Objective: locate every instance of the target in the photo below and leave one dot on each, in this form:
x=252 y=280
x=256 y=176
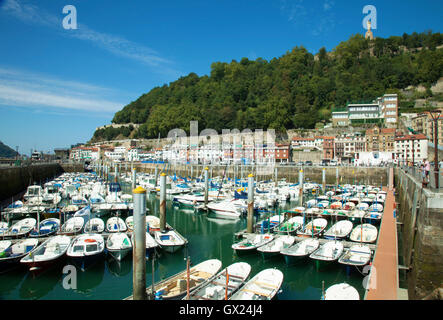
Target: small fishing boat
x=152 y=223
x=118 y=245
x=263 y=286
x=86 y=249
x=341 y=291
x=327 y=253
x=362 y=206
x=339 y=230
x=116 y=224
x=48 y=227
x=224 y=284
x=308 y=231
x=21 y=228
x=365 y=232
x=72 y=226
x=290 y=226
x=336 y=205
x=323 y=204
x=251 y=242
x=175 y=287
x=4 y=244
x=273 y=248
x=349 y=206
x=11 y=256
x=373 y=217
x=170 y=240
x=269 y=224
x=357 y=255
x=377 y=207
x=151 y=245
x=225 y=209
x=94 y=225
x=356 y=215
x=47 y=254
x=299 y=251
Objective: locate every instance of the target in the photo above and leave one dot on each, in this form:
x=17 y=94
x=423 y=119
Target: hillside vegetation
x=296 y=90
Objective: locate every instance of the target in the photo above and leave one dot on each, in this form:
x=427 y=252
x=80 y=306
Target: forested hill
x=6 y=152
x=296 y=90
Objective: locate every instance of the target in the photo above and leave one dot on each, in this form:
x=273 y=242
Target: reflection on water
x=208 y=238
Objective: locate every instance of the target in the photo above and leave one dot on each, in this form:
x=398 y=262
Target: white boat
x=263 y=286
x=21 y=228
x=224 y=284
x=86 y=249
x=116 y=224
x=365 y=232
x=33 y=192
x=339 y=230
x=47 y=227
x=341 y=291
x=152 y=223
x=290 y=226
x=300 y=250
x=175 y=287
x=151 y=244
x=169 y=240
x=356 y=255
x=94 y=225
x=225 y=209
x=328 y=252
x=118 y=245
x=48 y=253
x=11 y=256
x=377 y=207
x=309 y=231
x=251 y=242
x=274 y=247
x=72 y=226
x=4 y=244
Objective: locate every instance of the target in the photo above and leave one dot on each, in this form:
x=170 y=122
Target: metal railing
x=419 y=175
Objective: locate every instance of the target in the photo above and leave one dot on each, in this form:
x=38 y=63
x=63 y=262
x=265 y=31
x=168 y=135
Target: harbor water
x=208 y=238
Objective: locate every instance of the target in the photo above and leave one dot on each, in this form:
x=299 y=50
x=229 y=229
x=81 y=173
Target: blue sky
x=57 y=85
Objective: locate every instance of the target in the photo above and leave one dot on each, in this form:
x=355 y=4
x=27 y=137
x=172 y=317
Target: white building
x=374 y=158
x=411 y=148
x=298 y=142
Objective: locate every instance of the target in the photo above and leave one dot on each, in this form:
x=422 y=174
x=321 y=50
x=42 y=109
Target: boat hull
x=86 y=262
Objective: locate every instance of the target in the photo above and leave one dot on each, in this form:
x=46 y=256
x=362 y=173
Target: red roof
x=302 y=139
x=412 y=137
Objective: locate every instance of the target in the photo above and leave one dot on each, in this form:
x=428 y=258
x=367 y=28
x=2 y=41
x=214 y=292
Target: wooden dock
x=383 y=284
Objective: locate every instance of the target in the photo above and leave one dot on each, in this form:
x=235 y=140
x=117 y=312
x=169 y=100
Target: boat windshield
x=77 y=249
x=91 y=247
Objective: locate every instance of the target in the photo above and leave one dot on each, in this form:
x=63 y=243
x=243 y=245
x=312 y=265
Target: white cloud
x=119 y=46
x=25 y=89
x=327 y=5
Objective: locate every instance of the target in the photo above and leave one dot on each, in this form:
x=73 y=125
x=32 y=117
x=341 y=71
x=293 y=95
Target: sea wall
x=15 y=180
x=420 y=214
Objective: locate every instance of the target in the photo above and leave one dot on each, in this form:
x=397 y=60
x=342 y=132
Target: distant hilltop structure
x=369 y=35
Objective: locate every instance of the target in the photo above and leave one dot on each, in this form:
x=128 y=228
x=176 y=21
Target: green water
x=208 y=238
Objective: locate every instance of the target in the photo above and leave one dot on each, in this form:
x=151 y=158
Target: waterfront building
x=382 y=111
x=298 y=142
x=346 y=147
x=423 y=123
x=380 y=139
x=84 y=153
x=411 y=148
x=328 y=148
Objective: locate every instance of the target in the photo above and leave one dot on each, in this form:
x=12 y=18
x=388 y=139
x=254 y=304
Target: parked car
x=308 y=163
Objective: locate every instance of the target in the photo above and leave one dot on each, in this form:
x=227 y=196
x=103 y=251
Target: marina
x=205 y=235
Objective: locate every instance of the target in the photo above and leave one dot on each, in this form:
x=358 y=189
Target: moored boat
x=341 y=291
x=116 y=224
x=327 y=253
x=339 y=230
x=48 y=227
x=313 y=228
x=251 y=242
x=169 y=240
x=175 y=287
x=263 y=286
x=274 y=247
x=47 y=254
x=365 y=232
x=86 y=249
x=11 y=256
x=118 y=245
x=299 y=251
x=357 y=255
x=224 y=284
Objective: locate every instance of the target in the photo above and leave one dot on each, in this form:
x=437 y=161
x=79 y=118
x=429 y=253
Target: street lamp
x=435 y=115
